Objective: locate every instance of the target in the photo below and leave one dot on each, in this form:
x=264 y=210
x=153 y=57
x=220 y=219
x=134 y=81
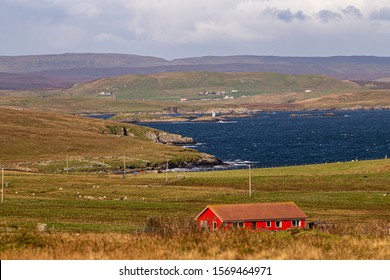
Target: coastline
x=225 y=115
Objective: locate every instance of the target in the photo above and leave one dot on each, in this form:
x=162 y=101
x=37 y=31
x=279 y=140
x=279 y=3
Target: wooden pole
x=2 y=185
x=166 y=171
x=124 y=166
x=250 y=182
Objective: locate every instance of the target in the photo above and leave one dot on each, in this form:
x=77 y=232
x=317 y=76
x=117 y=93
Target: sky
x=190 y=28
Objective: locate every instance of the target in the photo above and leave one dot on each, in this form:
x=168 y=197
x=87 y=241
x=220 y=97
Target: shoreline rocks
x=168 y=138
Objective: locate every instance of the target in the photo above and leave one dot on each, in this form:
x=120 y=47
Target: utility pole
x=124 y=166
x=166 y=171
x=2 y=185
x=250 y=181
x=67 y=164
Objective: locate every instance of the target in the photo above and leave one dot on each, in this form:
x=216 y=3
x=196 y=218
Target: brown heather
x=305 y=245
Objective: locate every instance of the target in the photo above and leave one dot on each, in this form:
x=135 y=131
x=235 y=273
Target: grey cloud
x=300 y=15
x=288 y=16
x=285 y=15
x=352 y=11
x=383 y=14
x=173 y=28
x=327 y=15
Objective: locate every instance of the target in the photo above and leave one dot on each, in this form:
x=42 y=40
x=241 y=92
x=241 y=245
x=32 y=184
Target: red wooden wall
x=212 y=220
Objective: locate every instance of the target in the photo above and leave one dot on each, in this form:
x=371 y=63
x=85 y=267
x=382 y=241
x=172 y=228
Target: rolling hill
x=199 y=85
x=40 y=141
x=37 y=63
x=203 y=92
x=75 y=67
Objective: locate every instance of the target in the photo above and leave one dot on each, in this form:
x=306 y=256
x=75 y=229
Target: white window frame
x=238 y=224
x=278 y=224
x=296 y=223
x=214 y=225
x=204 y=224
x=268 y=224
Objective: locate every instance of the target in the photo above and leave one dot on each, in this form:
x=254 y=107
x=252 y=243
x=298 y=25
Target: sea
x=275 y=139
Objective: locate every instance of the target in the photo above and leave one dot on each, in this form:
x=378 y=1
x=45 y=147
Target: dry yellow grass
x=308 y=245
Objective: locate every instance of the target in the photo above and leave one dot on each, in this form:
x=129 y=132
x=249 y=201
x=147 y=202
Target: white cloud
x=175 y=26
x=85 y=9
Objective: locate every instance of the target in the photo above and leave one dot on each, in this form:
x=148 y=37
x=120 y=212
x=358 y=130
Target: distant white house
x=212 y=93
x=184 y=99
x=105 y=93
x=308 y=91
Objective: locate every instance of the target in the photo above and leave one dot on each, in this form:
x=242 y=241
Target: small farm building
x=254 y=216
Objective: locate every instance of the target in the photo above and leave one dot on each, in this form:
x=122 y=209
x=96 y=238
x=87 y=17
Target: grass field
x=160 y=95
x=95 y=216
x=93 y=213
x=160 y=92
x=173 y=86
x=47 y=142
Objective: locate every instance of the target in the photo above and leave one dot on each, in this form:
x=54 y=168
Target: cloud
x=352 y=11
x=184 y=27
x=327 y=15
x=382 y=14
x=285 y=15
x=86 y=9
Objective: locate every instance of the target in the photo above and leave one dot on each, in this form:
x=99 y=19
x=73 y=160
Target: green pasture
x=173 y=86
x=93 y=202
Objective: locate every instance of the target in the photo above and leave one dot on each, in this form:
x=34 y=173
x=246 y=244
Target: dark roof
x=256 y=211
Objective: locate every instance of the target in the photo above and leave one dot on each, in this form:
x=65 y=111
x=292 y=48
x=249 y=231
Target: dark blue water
x=277 y=139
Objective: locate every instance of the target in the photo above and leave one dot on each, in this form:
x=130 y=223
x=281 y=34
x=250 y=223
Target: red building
x=255 y=216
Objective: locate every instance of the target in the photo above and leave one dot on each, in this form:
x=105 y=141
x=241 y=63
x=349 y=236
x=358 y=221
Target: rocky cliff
x=168 y=138
x=157 y=136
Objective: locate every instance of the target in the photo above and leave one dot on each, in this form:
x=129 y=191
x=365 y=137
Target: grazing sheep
x=41 y=227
